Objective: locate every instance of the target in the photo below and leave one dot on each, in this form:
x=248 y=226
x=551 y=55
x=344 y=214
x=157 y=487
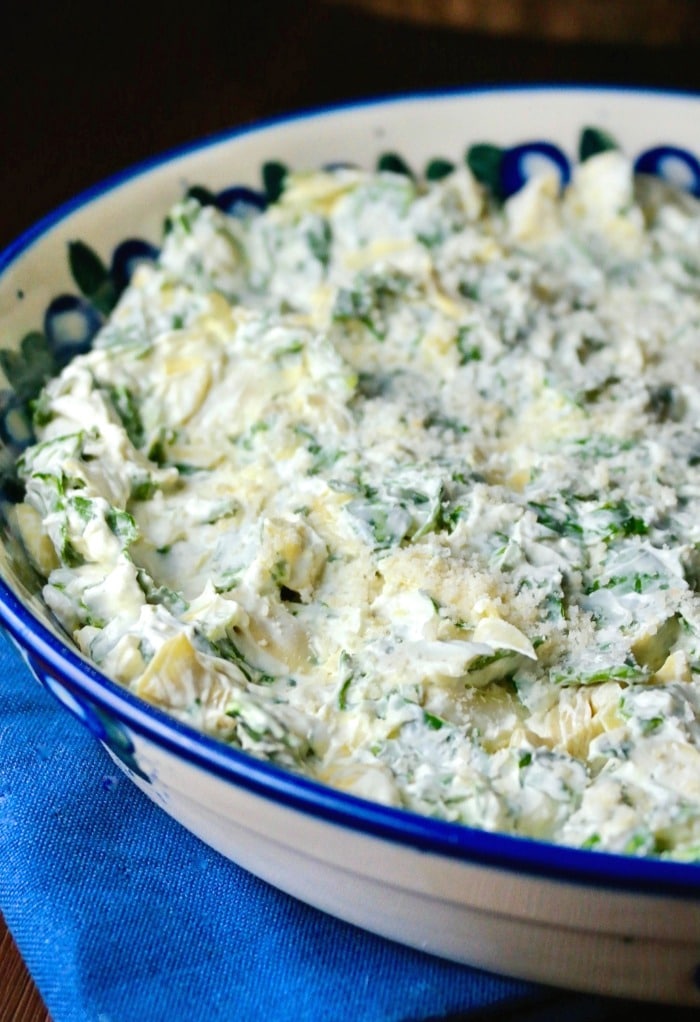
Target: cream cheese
x=400 y=488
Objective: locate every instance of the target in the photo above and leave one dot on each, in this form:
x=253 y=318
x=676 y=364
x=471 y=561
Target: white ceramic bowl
x=583 y=919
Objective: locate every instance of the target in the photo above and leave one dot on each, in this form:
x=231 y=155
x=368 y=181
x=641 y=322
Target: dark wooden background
x=89 y=88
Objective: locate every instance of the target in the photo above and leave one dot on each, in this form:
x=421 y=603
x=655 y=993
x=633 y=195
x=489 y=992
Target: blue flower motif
x=16 y=429
x=675 y=165
x=522 y=162
x=71 y=321
x=241 y=202
x=70 y=325
x=27 y=370
x=126 y=257
x=339 y=165
x=104 y=727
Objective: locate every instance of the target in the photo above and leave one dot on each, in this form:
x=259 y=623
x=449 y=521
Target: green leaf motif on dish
x=91 y=276
x=485 y=160
x=203 y=195
x=392 y=163
x=594 y=141
x=274 y=175
x=28 y=369
x=438 y=168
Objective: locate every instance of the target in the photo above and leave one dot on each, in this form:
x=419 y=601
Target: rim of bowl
x=455 y=840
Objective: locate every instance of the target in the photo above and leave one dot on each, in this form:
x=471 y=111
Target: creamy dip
x=399 y=487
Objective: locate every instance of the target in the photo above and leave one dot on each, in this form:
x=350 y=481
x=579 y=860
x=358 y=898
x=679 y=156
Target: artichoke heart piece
x=676 y=667
x=39 y=548
x=506 y=645
x=187 y=380
x=179 y=678
x=493 y=652
x=653 y=648
x=578 y=717
x=214 y=697
x=503 y=636
x=294 y=553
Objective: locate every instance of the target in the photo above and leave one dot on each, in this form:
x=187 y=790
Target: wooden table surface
x=19 y=998
x=83 y=94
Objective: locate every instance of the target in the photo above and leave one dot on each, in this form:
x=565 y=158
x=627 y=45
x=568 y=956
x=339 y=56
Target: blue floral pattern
x=106 y=728
x=677 y=166
x=521 y=162
x=71 y=321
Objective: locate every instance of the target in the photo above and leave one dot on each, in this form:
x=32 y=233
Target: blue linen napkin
x=123 y=916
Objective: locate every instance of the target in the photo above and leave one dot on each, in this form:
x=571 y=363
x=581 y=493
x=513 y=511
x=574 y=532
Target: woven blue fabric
x=123 y=916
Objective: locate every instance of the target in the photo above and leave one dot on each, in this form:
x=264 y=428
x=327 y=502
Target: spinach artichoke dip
x=398 y=486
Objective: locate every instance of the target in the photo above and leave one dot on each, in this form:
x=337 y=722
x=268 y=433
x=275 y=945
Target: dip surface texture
x=399 y=487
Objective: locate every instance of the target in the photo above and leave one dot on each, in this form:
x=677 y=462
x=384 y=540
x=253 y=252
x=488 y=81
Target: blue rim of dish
x=470 y=845
x=43 y=225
